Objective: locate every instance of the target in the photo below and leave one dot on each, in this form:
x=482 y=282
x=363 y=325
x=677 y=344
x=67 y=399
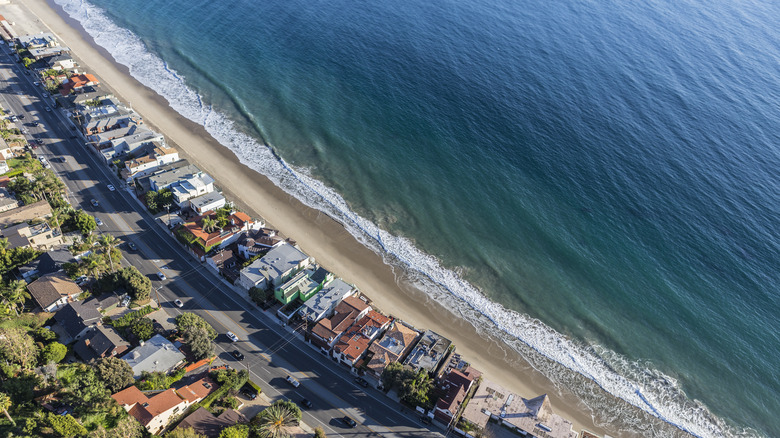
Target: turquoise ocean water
x=594 y=182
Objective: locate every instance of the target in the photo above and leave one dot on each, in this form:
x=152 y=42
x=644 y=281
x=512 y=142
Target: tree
x=142 y=328
x=42 y=334
x=53 y=353
x=115 y=373
x=319 y=432
x=17 y=346
x=5 y=403
x=85 y=388
x=66 y=426
x=415 y=390
x=208 y=224
x=198 y=339
x=108 y=243
x=84 y=222
x=392 y=375
x=237 y=431
x=277 y=420
x=185 y=432
x=14 y=294
x=187 y=320
x=94 y=264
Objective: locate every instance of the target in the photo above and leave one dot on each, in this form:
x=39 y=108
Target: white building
x=190 y=187
x=274 y=268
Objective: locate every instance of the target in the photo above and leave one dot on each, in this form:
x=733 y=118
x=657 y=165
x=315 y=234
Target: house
x=394 y=345
x=38 y=41
x=226 y=263
x=167 y=177
x=4 y=166
x=429 y=352
x=40 y=54
x=455 y=386
x=26 y=213
x=198 y=390
x=135 y=141
x=203 y=242
x=61 y=62
x=299 y=287
x=52 y=291
x=209 y=201
x=191 y=186
x=534 y=416
x=333 y=292
x=155 y=412
x=102 y=342
x=254 y=242
x=145 y=165
x=328 y=330
x=108 y=116
x=76 y=319
x=354 y=342
x=7 y=202
x=46 y=263
x=207 y=424
x=275 y=268
x=77 y=82
x=40 y=236
x=156 y=354
x=112 y=128
x=144 y=183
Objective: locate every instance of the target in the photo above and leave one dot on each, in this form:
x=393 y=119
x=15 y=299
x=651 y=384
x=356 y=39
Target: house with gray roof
x=100 y=343
x=429 y=352
x=191 y=186
x=165 y=178
x=156 y=354
x=209 y=201
x=276 y=267
x=322 y=304
x=76 y=319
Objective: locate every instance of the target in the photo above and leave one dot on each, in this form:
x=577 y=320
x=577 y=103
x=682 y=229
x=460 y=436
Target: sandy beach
x=317 y=234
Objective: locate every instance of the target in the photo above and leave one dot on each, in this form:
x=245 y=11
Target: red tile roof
x=143 y=408
x=198 y=390
x=355 y=341
x=344 y=315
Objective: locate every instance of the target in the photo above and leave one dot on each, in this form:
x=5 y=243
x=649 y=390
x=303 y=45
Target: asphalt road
x=271 y=351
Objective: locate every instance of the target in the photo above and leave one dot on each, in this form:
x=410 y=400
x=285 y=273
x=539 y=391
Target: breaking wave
x=575 y=367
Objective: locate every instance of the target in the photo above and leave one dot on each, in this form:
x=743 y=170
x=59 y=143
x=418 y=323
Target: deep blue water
x=608 y=168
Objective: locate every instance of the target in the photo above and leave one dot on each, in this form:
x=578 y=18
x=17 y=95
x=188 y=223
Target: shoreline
x=316 y=233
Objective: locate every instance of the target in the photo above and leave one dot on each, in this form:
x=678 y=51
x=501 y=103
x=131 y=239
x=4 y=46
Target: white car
x=111 y=188
x=178 y=303
x=232 y=336
x=98 y=221
x=45 y=94
x=292 y=381
x=161 y=276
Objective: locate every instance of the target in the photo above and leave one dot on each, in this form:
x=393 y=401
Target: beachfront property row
x=333 y=316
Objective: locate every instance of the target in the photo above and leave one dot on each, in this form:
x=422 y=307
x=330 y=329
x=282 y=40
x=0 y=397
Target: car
x=111 y=188
x=232 y=336
x=131 y=245
x=48 y=110
x=98 y=221
x=161 y=276
x=21 y=116
x=126 y=301
x=361 y=381
x=81 y=280
x=45 y=94
x=426 y=420
x=349 y=421
x=14 y=118
x=306 y=403
x=292 y=381
x=178 y=303
x=35 y=123
x=94 y=202
x=249 y=391
x=36 y=83
x=237 y=354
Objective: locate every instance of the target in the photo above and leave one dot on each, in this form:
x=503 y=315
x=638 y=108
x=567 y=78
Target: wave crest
x=584 y=370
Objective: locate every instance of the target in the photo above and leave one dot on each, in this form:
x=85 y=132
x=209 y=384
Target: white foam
x=545 y=349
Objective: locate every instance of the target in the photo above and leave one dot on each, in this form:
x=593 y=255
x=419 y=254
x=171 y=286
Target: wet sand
x=316 y=233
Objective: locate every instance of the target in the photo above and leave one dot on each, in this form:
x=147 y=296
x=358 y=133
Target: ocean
x=595 y=183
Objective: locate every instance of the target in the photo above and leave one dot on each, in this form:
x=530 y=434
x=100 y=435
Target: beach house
x=429 y=352
x=160 y=155
x=275 y=268
x=327 y=331
x=354 y=342
x=191 y=186
x=455 y=385
x=203 y=236
x=392 y=347
x=334 y=290
x=257 y=241
x=78 y=83
x=167 y=177
x=533 y=417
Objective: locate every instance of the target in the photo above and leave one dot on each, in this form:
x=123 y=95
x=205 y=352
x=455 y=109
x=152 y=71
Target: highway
x=271 y=351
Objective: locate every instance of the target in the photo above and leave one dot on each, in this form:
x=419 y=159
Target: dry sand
x=317 y=234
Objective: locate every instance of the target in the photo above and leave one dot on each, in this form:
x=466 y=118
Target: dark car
x=238 y=355
x=349 y=421
x=362 y=382
x=249 y=392
x=306 y=403
x=426 y=420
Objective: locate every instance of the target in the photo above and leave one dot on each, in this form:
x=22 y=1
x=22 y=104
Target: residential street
x=271 y=351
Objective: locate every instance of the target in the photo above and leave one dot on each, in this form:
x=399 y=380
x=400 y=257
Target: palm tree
x=3 y=245
x=5 y=403
x=108 y=243
x=15 y=293
x=208 y=224
x=275 y=421
x=94 y=264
